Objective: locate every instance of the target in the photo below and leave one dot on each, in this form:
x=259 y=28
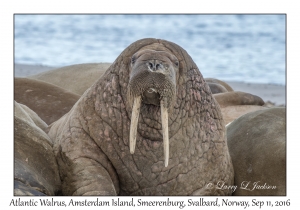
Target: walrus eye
x=177 y=63
x=133 y=59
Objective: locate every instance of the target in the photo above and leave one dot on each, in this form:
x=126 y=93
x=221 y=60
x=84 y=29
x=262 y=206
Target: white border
x=8 y=8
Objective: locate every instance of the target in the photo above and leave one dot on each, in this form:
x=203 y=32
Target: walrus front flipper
x=84 y=170
x=21 y=189
x=87 y=177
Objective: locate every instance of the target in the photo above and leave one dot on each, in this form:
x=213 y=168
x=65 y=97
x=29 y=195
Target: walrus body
x=257 y=145
x=216 y=88
x=35 y=167
x=50 y=102
x=227 y=87
x=237 y=98
x=75 y=78
x=24 y=112
x=148 y=126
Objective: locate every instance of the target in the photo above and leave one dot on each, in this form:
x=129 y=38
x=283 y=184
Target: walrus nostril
x=150 y=65
x=154 y=66
x=157 y=66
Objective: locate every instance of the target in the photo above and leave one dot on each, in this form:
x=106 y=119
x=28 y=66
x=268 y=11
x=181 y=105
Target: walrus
x=148 y=126
x=257 y=145
x=238 y=98
x=216 y=88
x=74 y=78
x=236 y=103
x=48 y=101
x=219 y=82
x=35 y=167
x=24 y=112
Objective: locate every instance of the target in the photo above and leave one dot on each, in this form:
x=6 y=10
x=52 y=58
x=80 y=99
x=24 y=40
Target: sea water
x=250 y=48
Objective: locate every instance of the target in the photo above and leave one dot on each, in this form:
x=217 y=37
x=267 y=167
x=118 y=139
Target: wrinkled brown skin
x=48 y=101
x=257 y=145
x=91 y=142
x=237 y=98
x=74 y=78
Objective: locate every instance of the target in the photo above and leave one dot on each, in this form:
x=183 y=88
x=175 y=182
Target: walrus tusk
x=165 y=131
x=134 y=119
x=133 y=127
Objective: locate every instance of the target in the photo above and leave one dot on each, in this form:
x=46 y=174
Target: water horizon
x=248 y=48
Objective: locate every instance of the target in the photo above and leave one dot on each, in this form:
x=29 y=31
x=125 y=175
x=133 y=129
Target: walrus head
x=152 y=86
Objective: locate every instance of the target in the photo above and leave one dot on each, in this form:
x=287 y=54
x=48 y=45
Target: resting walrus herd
x=150 y=124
